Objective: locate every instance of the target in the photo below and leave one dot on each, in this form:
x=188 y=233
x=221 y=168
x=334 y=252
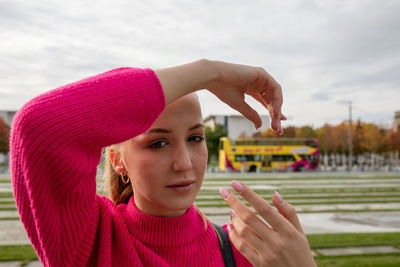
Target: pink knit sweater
x=56 y=143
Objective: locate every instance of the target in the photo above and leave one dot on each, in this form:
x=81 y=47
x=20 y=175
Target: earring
x=124 y=177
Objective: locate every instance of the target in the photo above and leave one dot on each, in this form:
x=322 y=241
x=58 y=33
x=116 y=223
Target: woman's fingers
x=234 y=81
x=268 y=213
x=250 y=114
x=287 y=210
x=245 y=214
x=247 y=233
x=246 y=110
x=282 y=245
x=241 y=245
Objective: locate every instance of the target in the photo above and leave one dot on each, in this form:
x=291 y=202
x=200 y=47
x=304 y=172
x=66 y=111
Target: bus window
x=243 y=158
x=283 y=158
x=306 y=157
x=266 y=160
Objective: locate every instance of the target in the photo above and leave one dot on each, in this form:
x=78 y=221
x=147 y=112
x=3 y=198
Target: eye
x=158 y=144
x=196 y=138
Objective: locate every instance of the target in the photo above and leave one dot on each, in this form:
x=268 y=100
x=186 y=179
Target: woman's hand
x=233 y=81
x=229 y=82
x=283 y=243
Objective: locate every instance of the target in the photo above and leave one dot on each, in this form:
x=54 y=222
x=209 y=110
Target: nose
x=181 y=159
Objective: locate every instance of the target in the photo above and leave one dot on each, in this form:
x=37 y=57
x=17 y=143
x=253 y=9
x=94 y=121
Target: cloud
x=320 y=52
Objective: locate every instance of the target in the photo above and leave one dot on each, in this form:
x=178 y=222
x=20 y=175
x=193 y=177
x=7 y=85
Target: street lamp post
x=350 y=139
x=350 y=163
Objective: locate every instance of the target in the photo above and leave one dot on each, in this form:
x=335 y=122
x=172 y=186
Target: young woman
x=151 y=124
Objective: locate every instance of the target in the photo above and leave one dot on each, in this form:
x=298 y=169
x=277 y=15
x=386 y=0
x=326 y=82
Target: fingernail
x=230 y=227
x=237 y=186
x=232 y=213
x=224 y=193
x=278 y=197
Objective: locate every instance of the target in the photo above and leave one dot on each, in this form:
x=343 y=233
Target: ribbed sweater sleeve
x=56 y=142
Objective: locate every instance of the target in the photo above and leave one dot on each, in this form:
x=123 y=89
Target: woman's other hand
x=281 y=242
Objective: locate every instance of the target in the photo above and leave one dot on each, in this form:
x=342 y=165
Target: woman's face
x=166 y=164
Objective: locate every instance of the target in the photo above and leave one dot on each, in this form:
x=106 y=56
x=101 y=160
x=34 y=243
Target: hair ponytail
x=115 y=189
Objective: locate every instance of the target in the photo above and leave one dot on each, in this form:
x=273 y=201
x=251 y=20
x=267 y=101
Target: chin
x=181 y=206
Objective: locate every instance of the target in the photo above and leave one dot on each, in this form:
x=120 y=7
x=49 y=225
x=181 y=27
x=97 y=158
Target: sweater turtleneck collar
x=163 y=231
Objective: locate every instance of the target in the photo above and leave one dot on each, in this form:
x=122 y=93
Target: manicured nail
x=224 y=193
x=278 y=197
x=237 y=186
x=232 y=213
x=230 y=227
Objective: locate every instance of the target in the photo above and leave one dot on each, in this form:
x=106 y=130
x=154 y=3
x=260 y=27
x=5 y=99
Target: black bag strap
x=225 y=245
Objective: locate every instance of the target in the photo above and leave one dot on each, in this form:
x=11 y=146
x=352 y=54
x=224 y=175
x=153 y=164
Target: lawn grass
x=26 y=252
x=353 y=240
x=9 y=218
x=4 y=202
x=8 y=208
x=17 y=253
x=6 y=194
x=372 y=260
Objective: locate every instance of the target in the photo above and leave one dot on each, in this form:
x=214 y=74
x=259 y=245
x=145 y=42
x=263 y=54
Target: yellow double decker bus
x=279 y=154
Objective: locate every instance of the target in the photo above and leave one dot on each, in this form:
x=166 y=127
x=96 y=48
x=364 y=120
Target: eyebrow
x=199 y=125
x=161 y=130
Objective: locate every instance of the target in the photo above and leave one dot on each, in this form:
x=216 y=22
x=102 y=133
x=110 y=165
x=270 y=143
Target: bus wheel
x=300 y=168
x=253 y=168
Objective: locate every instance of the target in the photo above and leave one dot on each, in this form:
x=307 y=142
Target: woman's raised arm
x=229 y=82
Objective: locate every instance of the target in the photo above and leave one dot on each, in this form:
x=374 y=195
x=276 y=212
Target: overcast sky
x=323 y=53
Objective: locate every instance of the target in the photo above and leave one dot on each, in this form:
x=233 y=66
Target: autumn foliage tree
x=393 y=138
x=367 y=137
x=4 y=136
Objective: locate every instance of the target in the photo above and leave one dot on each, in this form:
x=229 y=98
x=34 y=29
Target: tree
x=306 y=132
x=269 y=133
x=341 y=138
x=394 y=140
x=289 y=132
x=374 y=138
x=4 y=136
x=358 y=138
x=326 y=139
x=212 y=137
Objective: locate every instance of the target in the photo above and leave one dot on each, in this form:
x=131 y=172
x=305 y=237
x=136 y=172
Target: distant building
x=396 y=121
x=237 y=126
x=8 y=116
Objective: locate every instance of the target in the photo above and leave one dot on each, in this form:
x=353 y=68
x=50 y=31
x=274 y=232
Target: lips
x=182 y=187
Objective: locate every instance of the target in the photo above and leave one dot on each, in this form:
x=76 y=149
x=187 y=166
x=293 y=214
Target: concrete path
x=18 y=264
x=357 y=250
x=13 y=233
x=367 y=221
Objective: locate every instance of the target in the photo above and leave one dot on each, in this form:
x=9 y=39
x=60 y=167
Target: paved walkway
x=18 y=264
x=12 y=231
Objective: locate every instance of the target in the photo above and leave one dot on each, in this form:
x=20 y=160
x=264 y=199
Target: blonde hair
x=115 y=189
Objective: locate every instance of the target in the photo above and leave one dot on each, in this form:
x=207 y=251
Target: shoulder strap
x=225 y=246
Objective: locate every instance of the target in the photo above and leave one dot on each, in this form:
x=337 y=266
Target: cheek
x=201 y=156
x=145 y=168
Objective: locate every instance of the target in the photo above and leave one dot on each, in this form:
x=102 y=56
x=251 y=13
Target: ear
x=116 y=161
